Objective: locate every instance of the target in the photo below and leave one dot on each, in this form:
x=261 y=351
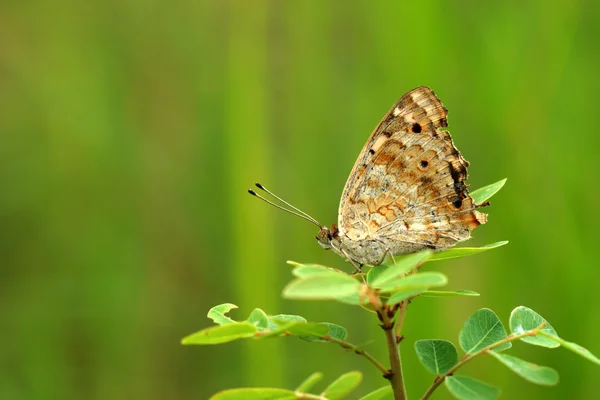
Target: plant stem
x=510 y=338
x=395 y=375
x=398 y=328
x=357 y=350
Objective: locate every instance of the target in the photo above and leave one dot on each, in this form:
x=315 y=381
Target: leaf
x=374 y=273
x=422 y=280
x=459 y=252
x=342 y=385
x=404 y=288
x=281 y=319
x=353 y=299
x=480 y=330
x=221 y=334
x=259 y=319
x=279 y=323
x=217 y=313
x=309 y=382
x=254 y=394
x=485 y=193
x=574 y=347
x=278 y=331
x=531 y=372
x=402 y=266
x=307 y=270
x=437 y=356
x=402 y=295
x=452 y=293
x=524 y=319
x=335 y=331
x=308 y=329
x=321 y=287
x=294 y=263
x=466 y=388
x=379 y=394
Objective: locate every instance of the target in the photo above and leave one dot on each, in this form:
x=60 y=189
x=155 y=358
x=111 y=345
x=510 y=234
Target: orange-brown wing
x=407 y=187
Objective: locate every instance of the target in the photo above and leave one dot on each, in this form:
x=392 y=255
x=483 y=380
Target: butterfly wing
x=407 y=187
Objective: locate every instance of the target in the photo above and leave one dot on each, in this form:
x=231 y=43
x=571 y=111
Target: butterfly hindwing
x=407 y=187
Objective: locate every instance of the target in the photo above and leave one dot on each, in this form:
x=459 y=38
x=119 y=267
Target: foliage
x=387 y=290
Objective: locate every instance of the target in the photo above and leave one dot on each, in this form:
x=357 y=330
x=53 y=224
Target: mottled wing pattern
x=407 y=187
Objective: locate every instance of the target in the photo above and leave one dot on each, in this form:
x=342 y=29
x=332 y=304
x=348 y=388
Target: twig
x=395 y=374
x=347 y=345
x=400 y=321
x=510 y=338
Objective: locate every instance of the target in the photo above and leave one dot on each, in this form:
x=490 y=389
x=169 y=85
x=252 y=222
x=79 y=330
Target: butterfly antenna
x=261 y=187
x=298 y=214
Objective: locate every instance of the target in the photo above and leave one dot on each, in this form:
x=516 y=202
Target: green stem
x=400 y=321
x=395 y=375
x=347 y=345
x=510 y=338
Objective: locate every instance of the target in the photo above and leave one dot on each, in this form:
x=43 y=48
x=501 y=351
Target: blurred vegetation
x=130 y=131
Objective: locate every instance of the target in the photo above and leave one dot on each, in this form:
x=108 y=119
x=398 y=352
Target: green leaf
x=281 y=319
x=459 y=252
x=342 y=385
x=255 y=394
x=402 y=266
x=217 y=313
x=574 y=347
x=421 y=280
x=353 y=299
x=531 y=372
x=279 y=323
x=221 y=334
x=309 y=382
x=379 y=394
x=437 y=356
x=452 y=293
x=374 y=273
x=294 y=263
x=259 y=319
x=466 y=388
x=322 y=286
x=402 y=295
x=307 y=270
x=335 y=331
x=485 y=193
x=279 y=331
x=480 y=330
x=308 y=329
x=524 y=319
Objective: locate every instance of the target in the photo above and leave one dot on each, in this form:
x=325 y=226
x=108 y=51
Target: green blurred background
x=130 y=132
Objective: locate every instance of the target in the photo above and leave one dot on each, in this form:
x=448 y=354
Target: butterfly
x=406 y=191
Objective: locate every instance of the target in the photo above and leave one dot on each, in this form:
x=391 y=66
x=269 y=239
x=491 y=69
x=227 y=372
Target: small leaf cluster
x=338 y=389
x=259 y=325
x=387 y=284
x=483 y=333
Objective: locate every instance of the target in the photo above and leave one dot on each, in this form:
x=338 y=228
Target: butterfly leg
x=358 y=267
x=391 y=255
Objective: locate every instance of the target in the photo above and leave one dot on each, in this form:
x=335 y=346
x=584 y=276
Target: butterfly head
x=326 y=236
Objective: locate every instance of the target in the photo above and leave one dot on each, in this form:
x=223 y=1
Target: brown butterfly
x=406 y=191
